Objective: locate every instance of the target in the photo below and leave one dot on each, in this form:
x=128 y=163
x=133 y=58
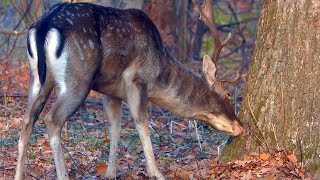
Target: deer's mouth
x=237 y=129
x=222 y=123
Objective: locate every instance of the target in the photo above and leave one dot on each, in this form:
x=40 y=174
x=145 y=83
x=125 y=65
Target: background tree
x=281 y=108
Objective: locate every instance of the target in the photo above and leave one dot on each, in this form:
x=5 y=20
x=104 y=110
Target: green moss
x=233 y=150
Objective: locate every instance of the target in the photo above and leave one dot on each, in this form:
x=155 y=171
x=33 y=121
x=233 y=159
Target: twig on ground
x=197 y=133
x=5 y=107
x=74 y=164
x=13 y=95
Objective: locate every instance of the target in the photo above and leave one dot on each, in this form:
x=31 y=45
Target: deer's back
x=117 y=28
x=108 y=39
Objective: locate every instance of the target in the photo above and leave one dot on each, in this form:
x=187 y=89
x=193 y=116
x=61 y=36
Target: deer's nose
x=237 y=129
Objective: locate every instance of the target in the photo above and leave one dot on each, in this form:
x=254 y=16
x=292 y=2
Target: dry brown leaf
x=106 y=141
x=41 y=140
x=265 y=156
x=101 y=169
x=246 y=158
x=270 y=177
x=182 y=174
x=2 y=125
x=292 y=158
x=280 y=162
x=247 y=175
x=16 y=121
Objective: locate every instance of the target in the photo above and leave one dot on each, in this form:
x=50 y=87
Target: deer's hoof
x=110 y=174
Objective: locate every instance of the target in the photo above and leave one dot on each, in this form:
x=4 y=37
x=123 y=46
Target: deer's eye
x=229 y=95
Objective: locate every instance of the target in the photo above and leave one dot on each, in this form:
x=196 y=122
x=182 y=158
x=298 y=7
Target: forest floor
x=184 y=148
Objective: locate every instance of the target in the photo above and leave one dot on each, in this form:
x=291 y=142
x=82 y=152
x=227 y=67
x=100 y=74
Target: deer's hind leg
x=36 y=102
x=74 y=73
x=70 y=97
x=66 y=105
x=112 y=107
x=38 y=95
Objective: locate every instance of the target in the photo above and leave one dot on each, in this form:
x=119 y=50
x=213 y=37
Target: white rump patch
x=57 y=65
x=33 y=62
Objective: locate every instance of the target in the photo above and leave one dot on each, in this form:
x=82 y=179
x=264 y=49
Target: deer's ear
x=209 y=70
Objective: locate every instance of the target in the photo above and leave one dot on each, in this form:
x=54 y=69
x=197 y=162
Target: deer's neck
x=179 y=89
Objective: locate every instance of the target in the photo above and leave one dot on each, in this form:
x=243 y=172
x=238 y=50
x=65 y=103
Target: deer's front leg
x=138 y=102
x=112 y=107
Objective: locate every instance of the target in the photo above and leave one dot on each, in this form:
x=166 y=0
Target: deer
x=77 y=47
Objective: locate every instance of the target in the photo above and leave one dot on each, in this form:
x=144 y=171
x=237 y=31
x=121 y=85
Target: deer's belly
x=111 y=87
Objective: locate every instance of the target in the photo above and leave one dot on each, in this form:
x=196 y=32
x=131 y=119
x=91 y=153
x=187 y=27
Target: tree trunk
x=281 y=106
x=183 y=34
x=163 y=14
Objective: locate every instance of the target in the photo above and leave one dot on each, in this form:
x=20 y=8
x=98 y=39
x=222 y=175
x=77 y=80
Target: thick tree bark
x=281 y=107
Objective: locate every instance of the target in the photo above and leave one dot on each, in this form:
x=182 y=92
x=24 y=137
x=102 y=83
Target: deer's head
x=218 y=111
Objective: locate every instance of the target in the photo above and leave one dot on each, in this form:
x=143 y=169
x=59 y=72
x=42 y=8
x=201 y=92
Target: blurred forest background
x=184 y=148
x=183 y=34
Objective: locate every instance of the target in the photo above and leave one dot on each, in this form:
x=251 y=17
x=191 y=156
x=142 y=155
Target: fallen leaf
x=292 y=158
x=106 y=141
x=2 y=125
x=101 y=169
x=16 y=121
x=182 y=174
x=265 y=156
x=246 y=158
x=280 y=162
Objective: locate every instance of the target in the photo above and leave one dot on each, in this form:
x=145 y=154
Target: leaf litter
x=86 y=146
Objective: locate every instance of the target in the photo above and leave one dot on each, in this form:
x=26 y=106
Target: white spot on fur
x=78 y=48
x=53 y=9
x=57 y=65
x=91 y=44
x=69 y=21
x=33 y=62
x=84 y=30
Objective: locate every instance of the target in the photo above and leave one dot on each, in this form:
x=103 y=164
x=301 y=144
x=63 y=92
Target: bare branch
x=234 y=80
x=12 y=32
x=206 y=17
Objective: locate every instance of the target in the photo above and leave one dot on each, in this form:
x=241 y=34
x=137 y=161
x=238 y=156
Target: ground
x=184 y=148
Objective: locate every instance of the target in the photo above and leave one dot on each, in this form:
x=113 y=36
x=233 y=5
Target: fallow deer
x=78 y=47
